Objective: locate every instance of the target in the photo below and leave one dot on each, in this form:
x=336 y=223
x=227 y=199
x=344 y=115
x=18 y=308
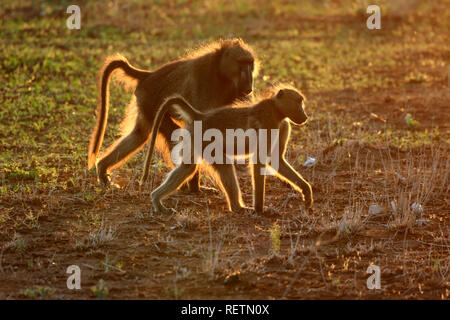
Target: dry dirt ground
x=359 y=137
x=205 y=252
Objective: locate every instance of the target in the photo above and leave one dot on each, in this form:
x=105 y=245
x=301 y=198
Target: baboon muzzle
x=301 y=119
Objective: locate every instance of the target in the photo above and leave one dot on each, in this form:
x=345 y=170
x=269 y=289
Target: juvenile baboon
x=273 y=112
x=213 y=76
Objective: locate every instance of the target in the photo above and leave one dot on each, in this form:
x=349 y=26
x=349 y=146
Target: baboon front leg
x=122 y=150
x=230 y=186
x=296 y=180
x=285 y=133
x=174 y=180
x=259 y=182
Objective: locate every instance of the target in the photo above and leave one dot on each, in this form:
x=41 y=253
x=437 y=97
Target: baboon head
x=238 y=64
x=291 y=104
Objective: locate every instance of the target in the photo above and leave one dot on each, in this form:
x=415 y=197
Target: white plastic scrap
x=400 y=177
x=375 y=209
x=309 y=162
x=417 y=208
x=394 y=207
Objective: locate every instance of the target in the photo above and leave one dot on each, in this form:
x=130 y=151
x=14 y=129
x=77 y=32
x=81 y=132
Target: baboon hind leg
x=166 y=129
x=122 y=150
x=174 y=180
x=230 y=186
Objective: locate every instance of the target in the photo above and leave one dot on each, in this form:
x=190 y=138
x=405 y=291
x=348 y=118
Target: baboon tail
x=185 y=112
x=130 y=76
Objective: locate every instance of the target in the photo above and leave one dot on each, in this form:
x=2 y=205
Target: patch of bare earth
x=206 y=252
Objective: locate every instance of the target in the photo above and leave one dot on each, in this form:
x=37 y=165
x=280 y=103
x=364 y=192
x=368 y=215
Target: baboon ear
x=280 y=94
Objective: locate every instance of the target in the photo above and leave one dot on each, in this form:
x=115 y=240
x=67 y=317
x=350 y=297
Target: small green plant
x=417 y=77
x=175 y=292
x=301 y=159
x=100 y=290
x=436 y=265
x=19 y=174
x=336 y=282
x=410 y=121
x=109 y=264
x=3 y=217
x=159 y=165
x=275 y=237
x=40 y=291
x=30 y=293
x=31 y=220
x=106 y=264
x=20 y=244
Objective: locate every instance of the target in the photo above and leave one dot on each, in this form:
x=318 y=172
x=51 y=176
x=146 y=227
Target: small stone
x=375 y=209
x=417 y=208
x=309 y=162
x=400 y=177
x=394 y=207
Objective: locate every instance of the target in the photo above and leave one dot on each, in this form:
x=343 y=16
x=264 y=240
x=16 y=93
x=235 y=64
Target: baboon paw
x=107 y=184
x=102 y=175
x=104 y=180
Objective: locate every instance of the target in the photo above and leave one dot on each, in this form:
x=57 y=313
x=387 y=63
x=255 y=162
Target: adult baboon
x=271 y=113
x=213 y=76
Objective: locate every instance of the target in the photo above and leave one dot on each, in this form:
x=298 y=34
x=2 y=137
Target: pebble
x=309 y=162
x=417 y=208
x=375 y=209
